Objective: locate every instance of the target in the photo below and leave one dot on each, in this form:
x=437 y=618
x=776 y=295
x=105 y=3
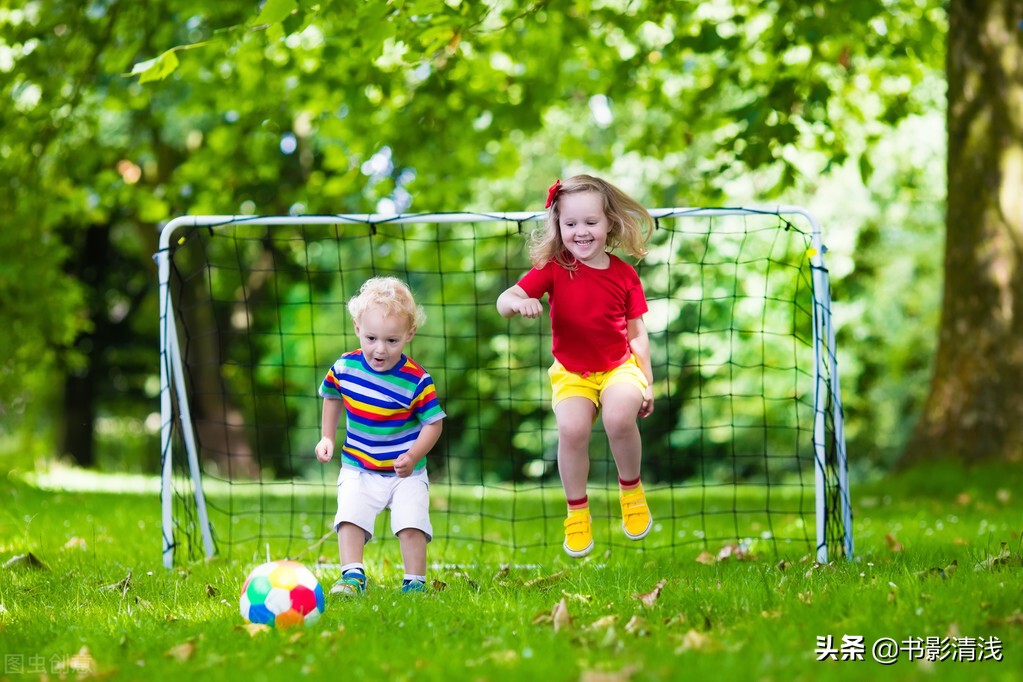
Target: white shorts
x=362 y=495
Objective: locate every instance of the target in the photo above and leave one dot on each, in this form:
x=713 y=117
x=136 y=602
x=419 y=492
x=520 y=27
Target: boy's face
x=382 y=338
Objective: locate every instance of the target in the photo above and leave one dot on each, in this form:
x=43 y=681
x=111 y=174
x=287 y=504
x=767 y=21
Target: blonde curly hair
x=631 y=224
x=389 y=293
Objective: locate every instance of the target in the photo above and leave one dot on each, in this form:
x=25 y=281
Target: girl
x=600 y=344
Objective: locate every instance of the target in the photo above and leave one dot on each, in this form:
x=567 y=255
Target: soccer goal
x=744 y=452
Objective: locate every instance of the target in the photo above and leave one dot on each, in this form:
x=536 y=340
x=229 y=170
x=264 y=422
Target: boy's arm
x=639 y=342
x=332 y=409
x=428 y=437
x=515 y=301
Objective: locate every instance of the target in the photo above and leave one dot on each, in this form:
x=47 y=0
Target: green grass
x=938 y=555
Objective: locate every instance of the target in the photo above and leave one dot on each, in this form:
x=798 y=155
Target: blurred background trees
x=116 y=117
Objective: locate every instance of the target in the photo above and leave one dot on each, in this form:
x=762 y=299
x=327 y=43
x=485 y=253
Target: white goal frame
x=172 y=373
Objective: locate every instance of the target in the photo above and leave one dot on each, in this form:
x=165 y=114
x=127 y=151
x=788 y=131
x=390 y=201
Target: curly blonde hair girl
x=631 y=224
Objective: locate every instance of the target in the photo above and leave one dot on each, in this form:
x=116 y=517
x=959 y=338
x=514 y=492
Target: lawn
x=937 y=571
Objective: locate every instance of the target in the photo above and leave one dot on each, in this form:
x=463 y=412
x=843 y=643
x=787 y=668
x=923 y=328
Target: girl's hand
x=647 y=408
x=325 y=450
x=528 y=307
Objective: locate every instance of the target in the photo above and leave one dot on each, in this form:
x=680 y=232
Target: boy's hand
x=404 y=465
x=325 y=449
x=528 y=307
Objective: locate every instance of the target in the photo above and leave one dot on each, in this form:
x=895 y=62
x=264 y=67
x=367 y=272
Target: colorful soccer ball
x=281 y=594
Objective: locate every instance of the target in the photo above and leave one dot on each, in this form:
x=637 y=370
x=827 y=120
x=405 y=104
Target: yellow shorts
x=565 y=384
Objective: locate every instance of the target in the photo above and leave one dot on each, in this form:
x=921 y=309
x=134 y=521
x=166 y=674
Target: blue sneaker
x=350 y=584
x=413 y=586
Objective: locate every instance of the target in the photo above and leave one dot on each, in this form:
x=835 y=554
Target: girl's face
x=382 y=337
x=584 y=227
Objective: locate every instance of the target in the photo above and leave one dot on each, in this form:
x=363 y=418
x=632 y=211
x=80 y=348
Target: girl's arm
x=515 y=301
x=639 y=342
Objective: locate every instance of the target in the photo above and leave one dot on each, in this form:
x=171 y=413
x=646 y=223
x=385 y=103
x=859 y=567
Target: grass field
x=83 y=594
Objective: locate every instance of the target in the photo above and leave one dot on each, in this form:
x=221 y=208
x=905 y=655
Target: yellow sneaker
x=578 y=533
x=636 y=519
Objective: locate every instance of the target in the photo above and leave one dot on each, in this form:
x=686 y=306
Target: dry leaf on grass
x=738 y=552
x=637 y=626
x=650 y=598
x=75 y=543
x=254 y=628
x=706 y=558
x=121 y=585
x=892 y=544
x=545 y=580
x=1003 y=557
x=560 y=616
x=27 y=560
x=623 y=675
x=81 y=664
x=582 y=598
x=603 y=622
x=695 y=641
x=182 y=652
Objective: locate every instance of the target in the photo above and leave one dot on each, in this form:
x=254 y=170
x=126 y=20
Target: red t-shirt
x=590 y=310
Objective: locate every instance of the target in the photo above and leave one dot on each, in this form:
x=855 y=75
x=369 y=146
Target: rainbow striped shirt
x=384 y=411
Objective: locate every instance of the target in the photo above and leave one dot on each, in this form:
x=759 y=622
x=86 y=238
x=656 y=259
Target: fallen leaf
x=560 y=616
x=737 y=551
x=582 y=598
x=545 y=580
x=182 y=652
x=650 y=598
x=695 y=641
x=893 y=544
x=603 y=622
x=27 y=560
x=121 y=585
x=75 y=543
x=81 y=663
x=622 y=675
x=637 y=626
x=1001 y=558
x=254 y=628
x=963 y=499
x=705 y=558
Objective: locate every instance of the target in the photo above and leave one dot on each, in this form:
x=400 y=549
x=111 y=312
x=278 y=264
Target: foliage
x=938 y=551
x=419 y=105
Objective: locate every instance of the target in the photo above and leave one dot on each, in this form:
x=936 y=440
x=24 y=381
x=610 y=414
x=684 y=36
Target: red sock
x=628 y=485
x=582 y=503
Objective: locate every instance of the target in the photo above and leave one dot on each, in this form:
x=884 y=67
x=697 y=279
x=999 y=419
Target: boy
x=393 y=419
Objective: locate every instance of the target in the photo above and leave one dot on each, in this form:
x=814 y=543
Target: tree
x=424 y=104
x=974 y=409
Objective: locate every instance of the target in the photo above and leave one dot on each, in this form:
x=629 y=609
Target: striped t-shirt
x=385 y=411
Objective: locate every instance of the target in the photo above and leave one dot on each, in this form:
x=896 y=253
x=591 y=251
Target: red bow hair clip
x=552 y=192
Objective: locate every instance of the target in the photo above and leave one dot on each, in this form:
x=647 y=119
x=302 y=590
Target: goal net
x=744 y=453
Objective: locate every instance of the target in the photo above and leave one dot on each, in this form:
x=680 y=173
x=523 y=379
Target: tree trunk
x=974 y=410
